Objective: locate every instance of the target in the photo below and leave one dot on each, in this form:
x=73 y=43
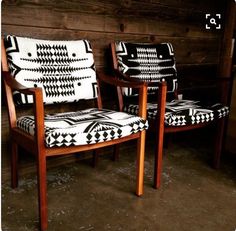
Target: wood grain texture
x=138 y=18
x=188 y=50
x=180 y=22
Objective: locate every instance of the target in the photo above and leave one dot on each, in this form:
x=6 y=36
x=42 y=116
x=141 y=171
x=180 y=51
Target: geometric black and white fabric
x=184 y=112
x=147 y=62
x=63 y=69
x=85 y=126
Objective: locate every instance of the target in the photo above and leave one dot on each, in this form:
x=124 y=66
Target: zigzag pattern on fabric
x=64 y=69
x=148 y=62
x=85 y=127
x=183 y=112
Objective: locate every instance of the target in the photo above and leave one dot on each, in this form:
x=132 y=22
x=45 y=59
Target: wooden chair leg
x=219 y=142
x=14 y=165
x=95 y=158
x=42 y=191
x=158 y=160
x=140 y=163
x=115 y=156
x=160 y=120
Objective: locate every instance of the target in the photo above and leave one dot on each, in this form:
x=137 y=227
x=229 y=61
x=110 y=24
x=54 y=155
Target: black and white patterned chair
x=155 y=65
x=38 y=72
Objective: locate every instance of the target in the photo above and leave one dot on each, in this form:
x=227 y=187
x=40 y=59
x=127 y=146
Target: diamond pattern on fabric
x=63 y=69
x=85 y=126
x=147 y=62
x=184 y=112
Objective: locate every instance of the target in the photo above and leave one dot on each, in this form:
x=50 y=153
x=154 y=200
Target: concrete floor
x=193 y=196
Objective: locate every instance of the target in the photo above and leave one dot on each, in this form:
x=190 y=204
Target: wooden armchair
x=39 y=72
x=154 y=64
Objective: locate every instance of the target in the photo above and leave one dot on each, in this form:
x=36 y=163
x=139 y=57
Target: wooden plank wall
x=180 y=22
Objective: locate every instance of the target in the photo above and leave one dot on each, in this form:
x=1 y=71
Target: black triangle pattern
x=54 y=65
x=148 y=62
x=183 y=112
x=85 y=127
x=59 y=74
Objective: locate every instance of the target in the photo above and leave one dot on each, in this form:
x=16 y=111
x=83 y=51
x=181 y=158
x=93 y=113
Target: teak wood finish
x=158 y=124
x=35 y=144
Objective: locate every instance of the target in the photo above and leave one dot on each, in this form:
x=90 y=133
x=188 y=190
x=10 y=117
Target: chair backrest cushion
x=147 y=62
x=65 y=70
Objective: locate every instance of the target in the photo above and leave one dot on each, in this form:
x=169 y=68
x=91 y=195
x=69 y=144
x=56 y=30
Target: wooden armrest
x=12 y=85
x=122 y=83
x=16 y=86
x=118 y=82
x=123 y=76
x=142 y=91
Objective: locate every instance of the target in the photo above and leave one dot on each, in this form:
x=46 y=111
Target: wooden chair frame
x=158 y=124
x=35 y=144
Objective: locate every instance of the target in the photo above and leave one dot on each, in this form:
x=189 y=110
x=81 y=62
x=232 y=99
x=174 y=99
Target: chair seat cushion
x=85 y=126
x=184 y=112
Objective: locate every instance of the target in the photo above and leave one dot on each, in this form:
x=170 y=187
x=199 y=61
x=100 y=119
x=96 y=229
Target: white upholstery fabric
x=184 y=112
x=85 y=126
x=63 y=69
x=147 y=62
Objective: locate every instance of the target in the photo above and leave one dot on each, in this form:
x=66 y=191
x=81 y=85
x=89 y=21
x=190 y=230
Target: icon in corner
x=213 y=21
